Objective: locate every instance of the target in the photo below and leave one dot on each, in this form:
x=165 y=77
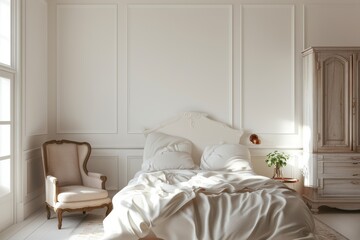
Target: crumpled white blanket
x=188 y=204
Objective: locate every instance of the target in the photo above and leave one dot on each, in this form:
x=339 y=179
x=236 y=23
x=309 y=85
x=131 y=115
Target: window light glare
x=4 y=99
x=4 y=140
x=4 y=176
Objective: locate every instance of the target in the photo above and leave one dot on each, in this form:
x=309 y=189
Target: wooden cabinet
x=339 y=175
x=331 y=126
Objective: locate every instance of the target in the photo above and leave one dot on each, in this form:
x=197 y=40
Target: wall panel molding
x=268 y=54
x=108 y=166
x=148 y=30
x=35 y=68
x=133 y=164
x=33 y=175
x=118 y=164
x=87 y=75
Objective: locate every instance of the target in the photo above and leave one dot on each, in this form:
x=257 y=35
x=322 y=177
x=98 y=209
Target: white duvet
x=207 y=205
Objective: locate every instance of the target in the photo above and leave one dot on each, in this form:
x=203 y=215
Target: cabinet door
x=356 y=101
x=334 y=102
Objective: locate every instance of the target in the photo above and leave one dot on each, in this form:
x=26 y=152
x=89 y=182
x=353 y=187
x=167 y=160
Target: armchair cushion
x=82 y=205
x=76 y=193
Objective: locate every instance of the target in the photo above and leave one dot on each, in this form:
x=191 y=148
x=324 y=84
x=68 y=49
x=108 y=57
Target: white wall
x=136 y=65
x=118 y=67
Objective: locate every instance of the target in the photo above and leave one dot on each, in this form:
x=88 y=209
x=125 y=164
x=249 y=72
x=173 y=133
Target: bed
x=197 y=182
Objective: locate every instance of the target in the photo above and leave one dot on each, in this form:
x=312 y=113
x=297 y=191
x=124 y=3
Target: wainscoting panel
x=87 y=68
x=179 y=58
x=119 y=165
x=107 y=165
x=33 y=179
x=34 y=174
x=35 y=68
x=133 y=166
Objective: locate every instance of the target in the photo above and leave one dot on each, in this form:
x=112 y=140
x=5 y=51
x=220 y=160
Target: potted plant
x=277 y=159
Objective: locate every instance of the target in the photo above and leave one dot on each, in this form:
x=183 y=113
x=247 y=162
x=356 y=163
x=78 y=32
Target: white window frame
x=13 y=73
x=11 y=76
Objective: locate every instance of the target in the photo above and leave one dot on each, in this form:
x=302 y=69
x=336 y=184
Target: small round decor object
x=254 y=139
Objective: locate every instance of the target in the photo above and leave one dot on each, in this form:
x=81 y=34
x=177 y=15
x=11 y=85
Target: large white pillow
x=226 y=157
x=164 y=151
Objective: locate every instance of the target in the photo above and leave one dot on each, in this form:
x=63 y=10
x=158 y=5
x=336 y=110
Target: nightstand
x=286 y=180
x=290 y=182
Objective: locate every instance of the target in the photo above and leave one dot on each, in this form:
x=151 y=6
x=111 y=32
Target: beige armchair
x=68 y=184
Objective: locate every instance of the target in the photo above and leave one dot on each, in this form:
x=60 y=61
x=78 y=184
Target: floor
x=345 y=222
x=37 y=227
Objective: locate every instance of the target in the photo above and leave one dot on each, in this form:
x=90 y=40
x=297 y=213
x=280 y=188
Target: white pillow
x=164 y=151
x=226 y=157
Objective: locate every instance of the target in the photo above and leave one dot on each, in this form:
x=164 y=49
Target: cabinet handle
x=355 y=182
x=355 y=163
x=355 y=174
x=354 y=106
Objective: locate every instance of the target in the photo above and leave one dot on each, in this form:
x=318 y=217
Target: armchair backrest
x=66 y=160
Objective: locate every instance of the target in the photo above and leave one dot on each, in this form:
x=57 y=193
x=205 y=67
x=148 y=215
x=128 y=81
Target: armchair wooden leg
x=59 y=215
x=48 y=214
x=109 y=208
x=84 y=212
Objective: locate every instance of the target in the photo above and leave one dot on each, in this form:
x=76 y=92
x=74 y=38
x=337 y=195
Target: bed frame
x=200 y=130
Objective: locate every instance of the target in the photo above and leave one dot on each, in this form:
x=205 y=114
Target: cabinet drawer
x=341 y=187
x=345 y=169
x=353 y=158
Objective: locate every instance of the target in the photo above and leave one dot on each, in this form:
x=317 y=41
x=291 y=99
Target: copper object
x=255 y=139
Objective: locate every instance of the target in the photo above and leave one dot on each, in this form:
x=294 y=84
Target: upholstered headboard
x=200 y=130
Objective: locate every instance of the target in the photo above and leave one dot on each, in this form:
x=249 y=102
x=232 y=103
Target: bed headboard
x=200 y=130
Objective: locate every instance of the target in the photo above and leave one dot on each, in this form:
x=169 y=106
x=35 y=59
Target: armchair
x=68 y=184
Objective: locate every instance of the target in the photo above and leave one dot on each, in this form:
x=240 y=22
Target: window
x=7 y=78
x=5 y=132
x=5 y=32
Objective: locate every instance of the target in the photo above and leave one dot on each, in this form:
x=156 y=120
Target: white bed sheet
x=195 y=204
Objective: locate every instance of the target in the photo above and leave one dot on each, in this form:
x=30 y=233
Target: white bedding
x=206 y=205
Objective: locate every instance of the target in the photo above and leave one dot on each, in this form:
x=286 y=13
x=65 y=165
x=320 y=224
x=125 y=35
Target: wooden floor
x=37 y=227
x=345 y=222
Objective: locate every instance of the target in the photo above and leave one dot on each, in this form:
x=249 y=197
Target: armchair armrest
x=51 y=185
x=95 y=180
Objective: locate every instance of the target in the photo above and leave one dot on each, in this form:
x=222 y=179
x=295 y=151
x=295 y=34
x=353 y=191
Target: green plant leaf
x=276 y=158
